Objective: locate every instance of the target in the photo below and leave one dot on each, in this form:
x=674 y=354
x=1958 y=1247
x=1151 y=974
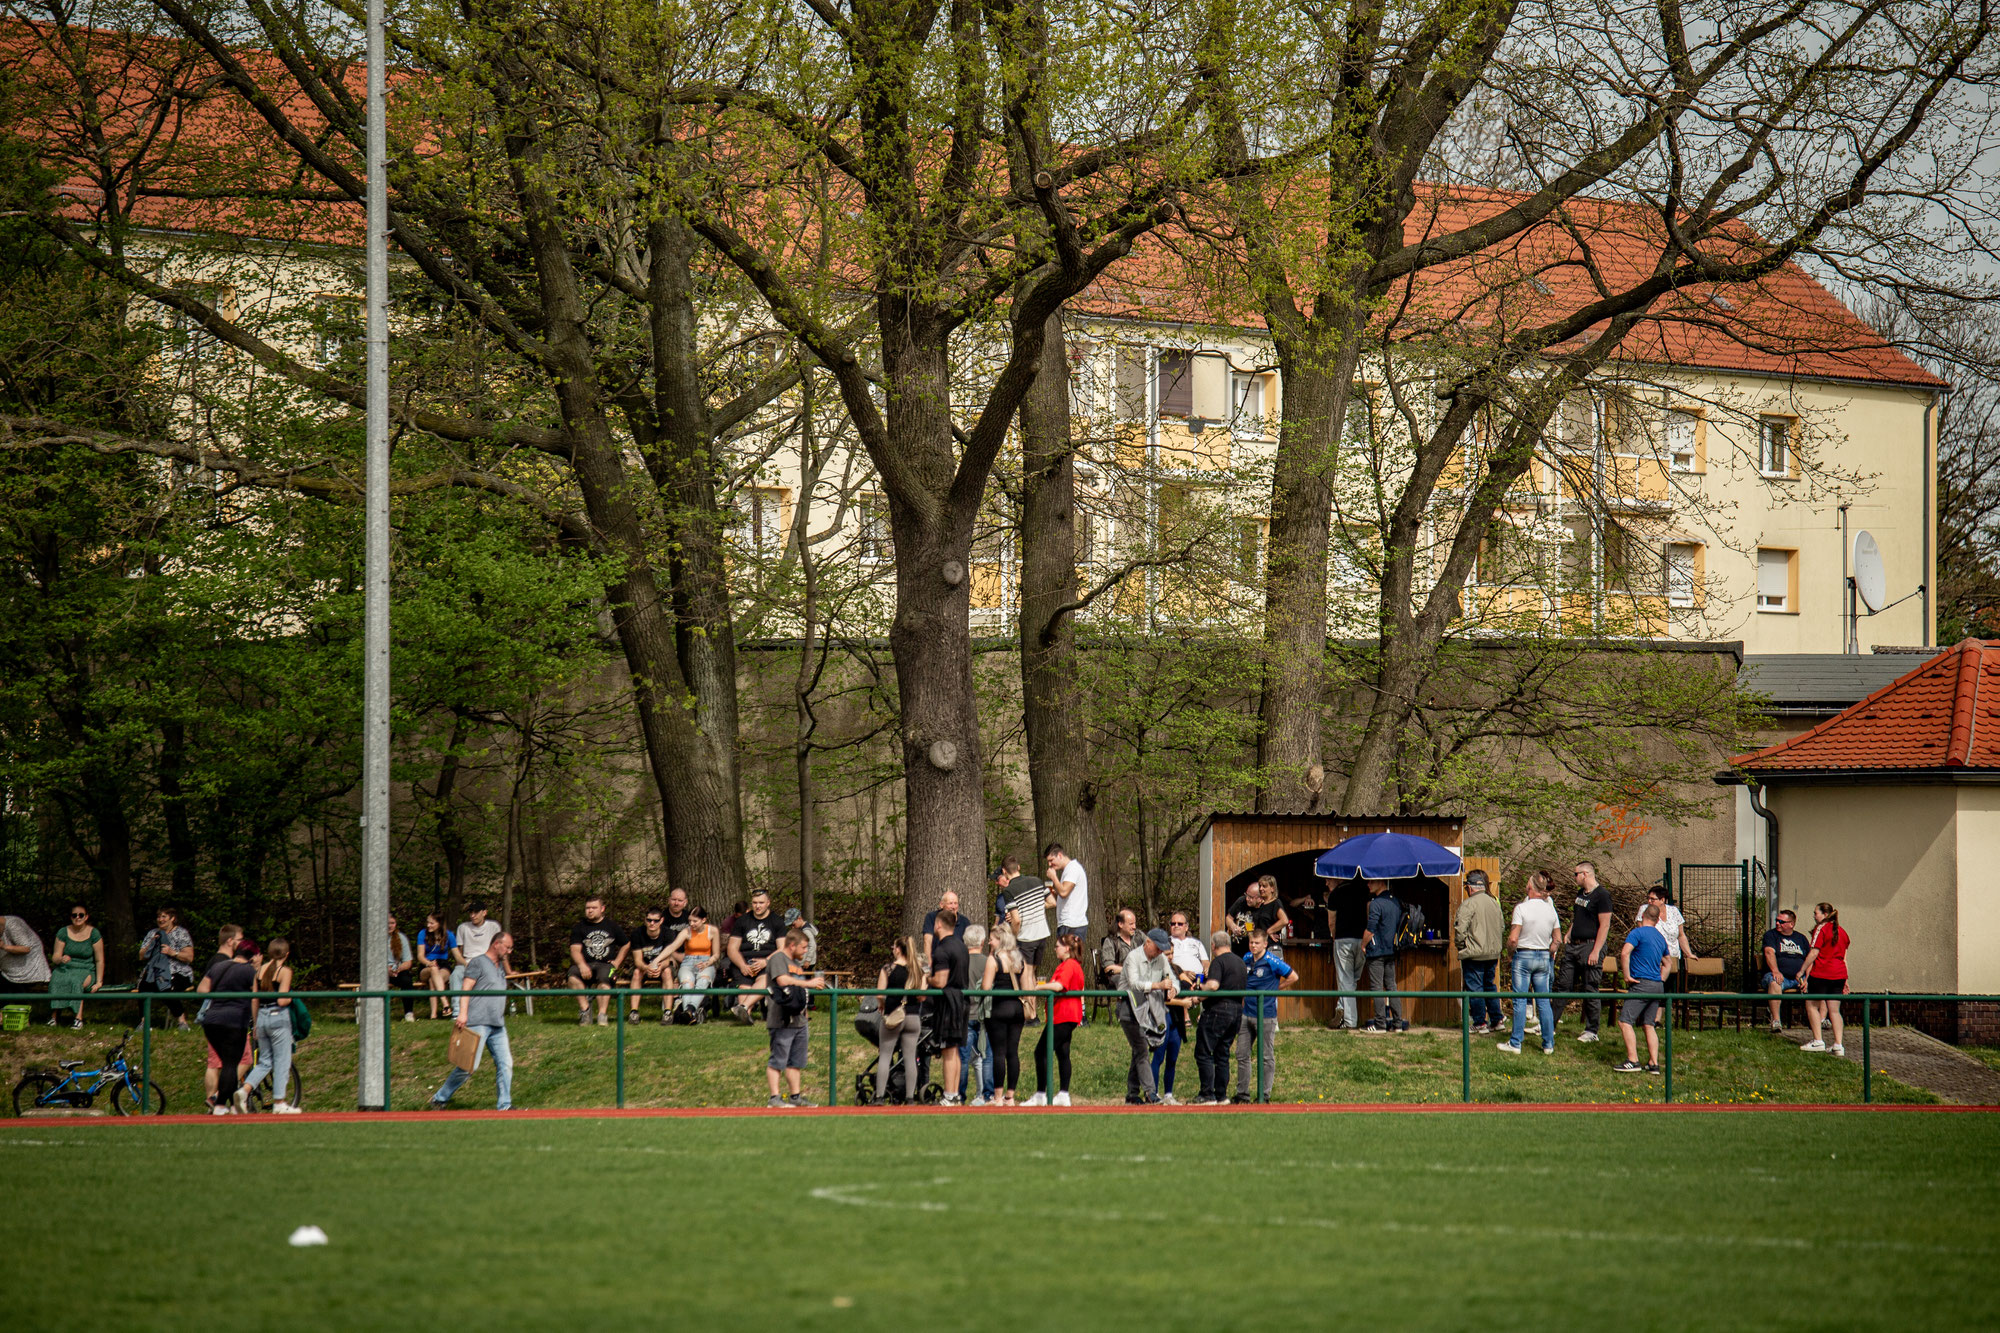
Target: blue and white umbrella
x=1387 y=856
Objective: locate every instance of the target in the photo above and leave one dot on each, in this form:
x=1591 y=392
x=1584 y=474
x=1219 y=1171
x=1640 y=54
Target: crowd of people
x=1172 y=988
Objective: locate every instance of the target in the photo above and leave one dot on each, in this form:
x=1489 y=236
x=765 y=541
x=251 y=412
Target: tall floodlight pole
x=373 y=1089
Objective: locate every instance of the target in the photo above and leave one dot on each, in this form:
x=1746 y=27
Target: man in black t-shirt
x=1257 y=909
x=1219 y=1019
x=675 y=919
x=1347 y=901
x=757 y=935
x=1582 y=967
x=950 y=966
x=652 y=964
x=1785 y=951
x=597 y=949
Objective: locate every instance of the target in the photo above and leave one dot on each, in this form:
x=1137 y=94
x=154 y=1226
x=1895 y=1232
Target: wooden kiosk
x=1237 y=848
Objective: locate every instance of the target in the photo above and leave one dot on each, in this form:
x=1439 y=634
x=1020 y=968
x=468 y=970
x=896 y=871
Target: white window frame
x=1680 y=558
x=1692 y=454
x=1786 y=449
x=1775 y=601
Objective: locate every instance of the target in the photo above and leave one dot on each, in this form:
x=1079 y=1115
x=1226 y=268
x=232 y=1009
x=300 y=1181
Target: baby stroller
x=868 y=1025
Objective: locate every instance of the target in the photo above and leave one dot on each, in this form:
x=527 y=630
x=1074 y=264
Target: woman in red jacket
x=1825 y=971
x=1067 y=982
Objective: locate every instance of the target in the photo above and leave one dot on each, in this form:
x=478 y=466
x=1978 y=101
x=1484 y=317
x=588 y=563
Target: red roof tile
x=1943 y=715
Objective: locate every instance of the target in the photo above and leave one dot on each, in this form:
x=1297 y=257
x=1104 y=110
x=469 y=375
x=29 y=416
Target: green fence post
x=1257 y=1052
x=621 y=1050
x=146 y=1056
x=833 y=1049
x=1667 y=1092
x=1465 y=1048
x=389 y=1035
x=1867 y=1060
x=1048 y=1069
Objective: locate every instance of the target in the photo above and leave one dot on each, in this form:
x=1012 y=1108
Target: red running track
x=1280 y=1108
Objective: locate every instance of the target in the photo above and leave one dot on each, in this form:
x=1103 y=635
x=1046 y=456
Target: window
x=1086 y=537
x=878 y=547
x=1129 y=387
x=339 y=330
x=1774 y=446
x=1176 y=387
x=1082 y=382
x=1684 y=441
x=187 y=340
x=1250 y=536
x=762 y=528
x=1682 y=559
x=1246 y=404
x=1576 y=424
x=1777 y=580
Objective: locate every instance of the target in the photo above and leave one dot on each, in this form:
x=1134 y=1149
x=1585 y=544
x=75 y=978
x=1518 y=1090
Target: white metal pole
x=372 y=1094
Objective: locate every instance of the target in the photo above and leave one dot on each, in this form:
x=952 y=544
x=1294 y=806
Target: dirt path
x=1925 y=1062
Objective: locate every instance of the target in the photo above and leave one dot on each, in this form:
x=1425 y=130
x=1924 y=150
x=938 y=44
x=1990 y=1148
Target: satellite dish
x=1870 y=583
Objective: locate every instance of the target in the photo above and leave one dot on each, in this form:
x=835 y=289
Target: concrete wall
x=1887 y=858
x=1978 y=905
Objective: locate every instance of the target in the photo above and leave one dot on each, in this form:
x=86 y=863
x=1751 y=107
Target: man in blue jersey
x=1642 y=960
x=1263 y=971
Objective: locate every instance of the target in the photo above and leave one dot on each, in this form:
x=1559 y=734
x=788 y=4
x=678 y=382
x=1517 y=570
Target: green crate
x=14 y=1018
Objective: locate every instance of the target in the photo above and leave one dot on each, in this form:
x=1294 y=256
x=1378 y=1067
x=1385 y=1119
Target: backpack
x=791 y=1000
x=302 y=1020
x=1410 y=930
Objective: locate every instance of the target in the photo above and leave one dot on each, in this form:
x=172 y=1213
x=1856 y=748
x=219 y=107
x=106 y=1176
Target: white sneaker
x=951 y=1099
x=977 y=1101
x=1586 y=1036
x=1042 y=1099
x=1062 y=1099
x=285 y=1108
x=219 y=1109
x=240 y=1103
x=1534 y=1025
x=1168 y=1099
x=1814 y=1045
x=1836 y=1050
x=409 y=1018
x=1509 y=1047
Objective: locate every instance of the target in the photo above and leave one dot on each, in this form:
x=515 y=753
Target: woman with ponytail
x=1825 y=971
x=274 y=1032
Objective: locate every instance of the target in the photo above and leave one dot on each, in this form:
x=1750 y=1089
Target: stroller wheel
x=933 y=1094
x=864 y=1091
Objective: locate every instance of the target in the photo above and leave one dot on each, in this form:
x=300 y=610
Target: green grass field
x=558 y=1064
x=1771 y=1221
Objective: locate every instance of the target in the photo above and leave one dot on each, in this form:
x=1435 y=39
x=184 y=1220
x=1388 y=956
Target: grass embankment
x=556 y=1063
x=1798 y=1221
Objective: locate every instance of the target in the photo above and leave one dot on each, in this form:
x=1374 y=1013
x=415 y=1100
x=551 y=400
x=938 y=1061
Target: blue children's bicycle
x=70 y=1086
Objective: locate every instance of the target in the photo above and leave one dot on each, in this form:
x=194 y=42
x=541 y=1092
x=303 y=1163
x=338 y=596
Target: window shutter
x=1176 y=384
x=1774 y=569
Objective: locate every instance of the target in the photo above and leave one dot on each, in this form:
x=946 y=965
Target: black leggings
x=228 y=1044
x=1003 y=1034
x=1061 y=1033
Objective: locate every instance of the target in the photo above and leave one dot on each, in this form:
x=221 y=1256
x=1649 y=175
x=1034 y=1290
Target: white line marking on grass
x=861 y=1196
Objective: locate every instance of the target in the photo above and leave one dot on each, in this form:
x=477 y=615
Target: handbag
x=896 y=1017
x=302 y=1020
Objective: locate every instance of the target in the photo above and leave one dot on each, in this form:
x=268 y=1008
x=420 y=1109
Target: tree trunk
x=451 y=839
x=1052 y=712
x=113 y=867
x=931 y=637
x=181 y=855
x=1290 y=752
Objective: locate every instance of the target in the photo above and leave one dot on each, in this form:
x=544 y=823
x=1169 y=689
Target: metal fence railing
x=834 y=995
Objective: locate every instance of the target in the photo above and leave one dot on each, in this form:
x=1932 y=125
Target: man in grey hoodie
x=1147 y=981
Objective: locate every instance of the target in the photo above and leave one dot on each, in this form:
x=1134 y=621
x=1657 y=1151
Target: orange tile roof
x=1787 y=325
x=1944 y=715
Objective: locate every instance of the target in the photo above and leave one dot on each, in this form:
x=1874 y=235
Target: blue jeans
x=1481 y=975
x=1533 y=972
x=495 y=1040
x=1169 y=1051
x=977 y=1052
x=274 y=1052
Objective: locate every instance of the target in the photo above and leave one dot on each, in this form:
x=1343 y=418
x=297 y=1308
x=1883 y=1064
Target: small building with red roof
x=1890 y=811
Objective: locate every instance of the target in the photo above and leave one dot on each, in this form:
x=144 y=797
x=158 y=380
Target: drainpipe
x=1763 y=812
x=1929 y=518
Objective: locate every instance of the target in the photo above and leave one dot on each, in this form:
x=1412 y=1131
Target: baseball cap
x=1160 y=938
x=792 y=917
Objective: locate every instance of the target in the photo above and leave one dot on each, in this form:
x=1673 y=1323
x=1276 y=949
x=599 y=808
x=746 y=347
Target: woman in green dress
x=77 y=958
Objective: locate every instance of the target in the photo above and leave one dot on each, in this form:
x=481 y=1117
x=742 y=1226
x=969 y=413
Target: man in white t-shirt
x=1532 y=938
x=1190 y=955
x=1069 y=891
x=474 y=938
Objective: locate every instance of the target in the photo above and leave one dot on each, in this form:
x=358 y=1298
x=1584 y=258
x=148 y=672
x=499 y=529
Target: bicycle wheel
x=32 y=1088
x=125 y=1099
x=260 y=1096
x=296 y=1088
